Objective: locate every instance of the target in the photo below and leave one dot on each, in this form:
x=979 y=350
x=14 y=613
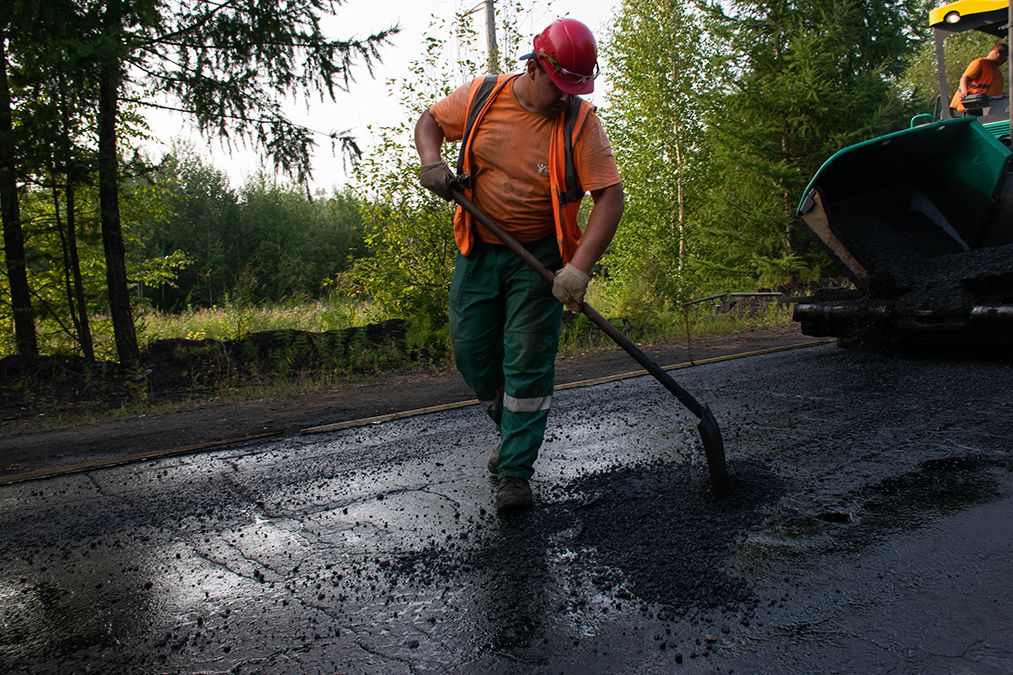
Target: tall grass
x=230 y=321
x=233 y=321
x=671 y=325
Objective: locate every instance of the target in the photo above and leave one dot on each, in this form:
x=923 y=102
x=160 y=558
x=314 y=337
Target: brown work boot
x=512 y=494
x=493 y=463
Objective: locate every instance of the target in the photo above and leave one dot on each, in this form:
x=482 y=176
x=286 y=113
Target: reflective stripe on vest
x=988 y=72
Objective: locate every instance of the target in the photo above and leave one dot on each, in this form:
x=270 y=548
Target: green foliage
x=143 y=204
x=656 y=54
x=231 y=66
x=289 y=244
x=720 y=114
x=804 y=78
x=191 y=241
x=265 y=243
x=204 y=211
x=409 y=240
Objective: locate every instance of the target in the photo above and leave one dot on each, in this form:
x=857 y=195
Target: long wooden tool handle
x=597 y=319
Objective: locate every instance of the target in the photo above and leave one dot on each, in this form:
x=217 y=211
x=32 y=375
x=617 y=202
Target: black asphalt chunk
x=914 y=262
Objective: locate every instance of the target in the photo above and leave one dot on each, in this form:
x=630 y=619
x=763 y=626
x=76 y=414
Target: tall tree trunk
x=72 y=273
x=68 y=285
x=87 y=345
x=490 y=36
x=10 y=212
x=789 y=246
x=109 y=204
x=73 y=258
x=680 y=191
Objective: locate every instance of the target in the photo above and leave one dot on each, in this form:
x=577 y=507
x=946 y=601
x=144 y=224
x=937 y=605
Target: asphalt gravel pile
x=889 y=242
x=634 y=539
x=916 y=265
x=660 y=526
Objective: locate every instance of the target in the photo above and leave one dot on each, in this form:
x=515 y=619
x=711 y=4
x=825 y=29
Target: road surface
x=868 y=530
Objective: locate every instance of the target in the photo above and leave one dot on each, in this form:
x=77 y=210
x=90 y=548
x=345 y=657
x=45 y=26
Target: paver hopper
x=921 y=220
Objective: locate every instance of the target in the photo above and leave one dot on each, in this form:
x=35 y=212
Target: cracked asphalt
x=868 y=530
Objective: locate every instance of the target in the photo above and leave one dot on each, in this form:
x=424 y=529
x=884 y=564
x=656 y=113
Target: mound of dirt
x=177 y=369
x=199 y=363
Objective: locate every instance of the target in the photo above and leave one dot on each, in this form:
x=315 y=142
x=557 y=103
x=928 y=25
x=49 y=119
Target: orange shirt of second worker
x=510 y=161
x=981 y=70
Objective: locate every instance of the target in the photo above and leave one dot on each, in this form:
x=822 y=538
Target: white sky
x=369 y=102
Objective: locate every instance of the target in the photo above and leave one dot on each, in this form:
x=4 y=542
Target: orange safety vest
x=563 y=183
x=989 y=74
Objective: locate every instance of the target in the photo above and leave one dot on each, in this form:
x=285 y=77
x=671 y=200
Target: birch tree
x=657 y=68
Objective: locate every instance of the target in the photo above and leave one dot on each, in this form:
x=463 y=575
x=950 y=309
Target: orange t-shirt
x=510 y=156
x=981 y=71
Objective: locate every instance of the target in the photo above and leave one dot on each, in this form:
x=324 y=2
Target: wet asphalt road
x=868 y=530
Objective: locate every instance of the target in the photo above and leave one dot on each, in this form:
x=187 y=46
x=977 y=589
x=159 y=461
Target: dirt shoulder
x=33 y=444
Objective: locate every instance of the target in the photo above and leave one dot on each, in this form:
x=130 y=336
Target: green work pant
x=504 y=325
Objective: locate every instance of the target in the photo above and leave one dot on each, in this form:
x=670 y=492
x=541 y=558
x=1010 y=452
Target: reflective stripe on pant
x=504 y=326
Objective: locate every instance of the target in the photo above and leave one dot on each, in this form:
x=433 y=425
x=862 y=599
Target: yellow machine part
x=963 y=8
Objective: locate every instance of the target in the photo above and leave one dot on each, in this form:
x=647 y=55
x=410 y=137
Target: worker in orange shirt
x=982 y=76
x=530 y=148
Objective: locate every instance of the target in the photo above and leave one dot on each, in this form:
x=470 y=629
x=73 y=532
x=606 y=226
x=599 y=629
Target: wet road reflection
x=867 y=525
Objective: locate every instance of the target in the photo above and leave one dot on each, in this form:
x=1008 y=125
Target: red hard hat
x=568 y=53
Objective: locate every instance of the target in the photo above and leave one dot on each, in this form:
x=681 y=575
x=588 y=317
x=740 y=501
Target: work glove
x=569 y=287
x=436 y=178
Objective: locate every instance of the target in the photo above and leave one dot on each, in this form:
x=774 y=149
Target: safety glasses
x=569 y=75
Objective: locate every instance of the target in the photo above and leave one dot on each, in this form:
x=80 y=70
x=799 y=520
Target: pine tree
x=14 y=241
x=802 y=78
x=228 y=65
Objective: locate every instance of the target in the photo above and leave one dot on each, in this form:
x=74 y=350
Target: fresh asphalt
x=868 y=529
